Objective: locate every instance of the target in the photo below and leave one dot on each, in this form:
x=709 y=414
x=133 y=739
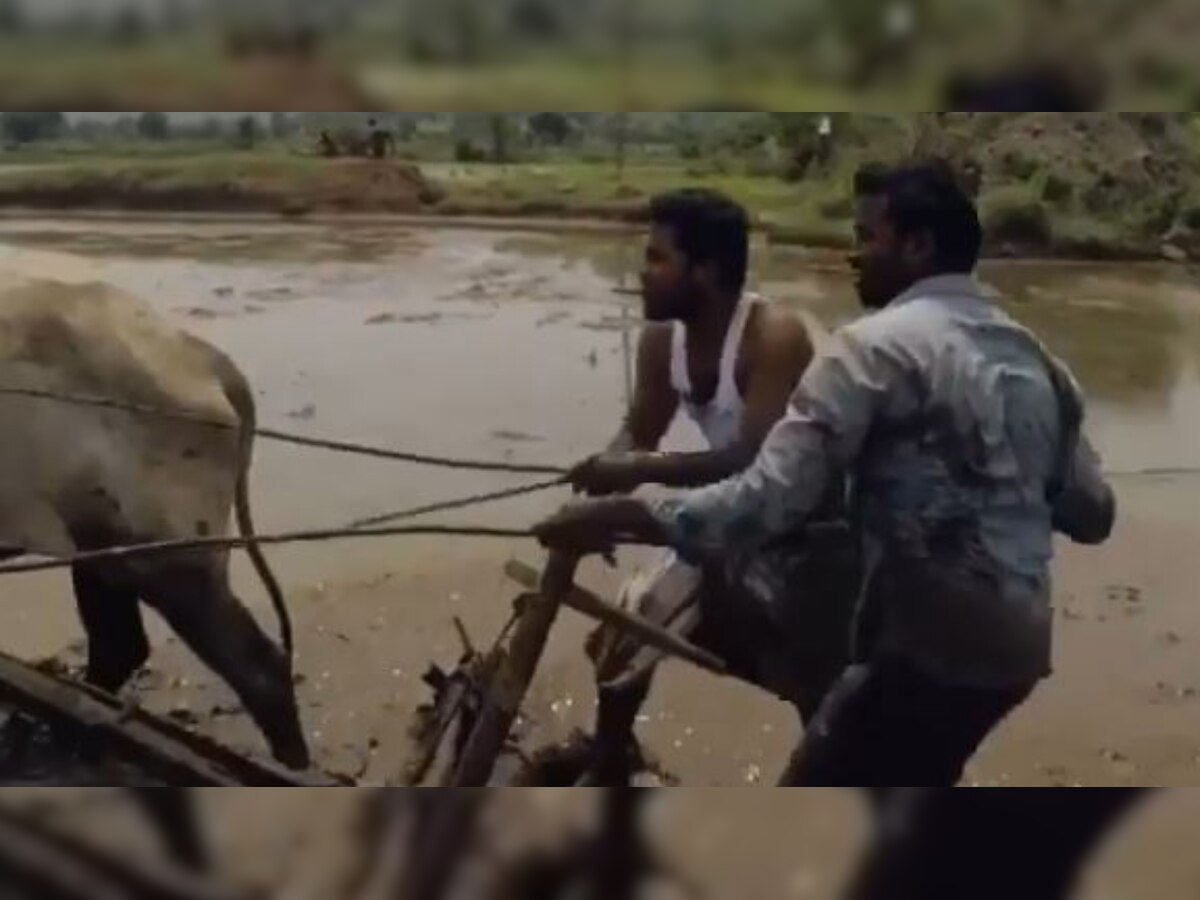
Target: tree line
x=791 y=139
x=19 y=129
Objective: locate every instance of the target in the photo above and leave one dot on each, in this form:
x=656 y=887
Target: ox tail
x=241 y=397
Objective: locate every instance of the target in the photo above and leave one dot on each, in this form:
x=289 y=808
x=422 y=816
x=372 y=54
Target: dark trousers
x=941 y=844
x=886 y=724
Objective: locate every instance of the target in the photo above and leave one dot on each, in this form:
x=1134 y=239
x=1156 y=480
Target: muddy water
x=505 y=346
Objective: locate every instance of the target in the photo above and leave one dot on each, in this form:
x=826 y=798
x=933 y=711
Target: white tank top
x=720 y=421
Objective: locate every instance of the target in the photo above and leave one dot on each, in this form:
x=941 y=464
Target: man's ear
x=707 y=275
x=917 y=251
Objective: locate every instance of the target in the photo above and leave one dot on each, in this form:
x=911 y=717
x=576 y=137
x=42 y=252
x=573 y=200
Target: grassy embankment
x=1095 y=195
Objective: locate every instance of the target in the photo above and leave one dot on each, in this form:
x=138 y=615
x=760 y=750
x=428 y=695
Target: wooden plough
x=474 y=713
x=421 y=844
x=477 y=706
x=468 y=726
x=160 y=751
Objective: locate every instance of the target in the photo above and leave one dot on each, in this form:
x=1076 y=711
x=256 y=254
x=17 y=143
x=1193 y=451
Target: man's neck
x=710 y=326
x=939 y=282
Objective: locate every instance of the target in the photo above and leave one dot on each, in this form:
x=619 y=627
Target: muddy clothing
x=780 y=620
x=886 y=724
x=774 y=617
x=952 y=421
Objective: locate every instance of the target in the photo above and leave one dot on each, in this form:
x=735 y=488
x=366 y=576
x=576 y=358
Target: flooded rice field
x=509 y=346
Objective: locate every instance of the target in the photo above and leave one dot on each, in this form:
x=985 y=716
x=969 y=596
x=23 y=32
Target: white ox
x=77 y=477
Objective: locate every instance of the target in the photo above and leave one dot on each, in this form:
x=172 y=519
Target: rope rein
x=286 y=437
x=360 y=529
x=447 y=462
x=161 y=548
x=447 y=506
x=444 y=462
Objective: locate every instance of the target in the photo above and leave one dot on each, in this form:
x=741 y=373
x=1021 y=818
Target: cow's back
x=72 y=473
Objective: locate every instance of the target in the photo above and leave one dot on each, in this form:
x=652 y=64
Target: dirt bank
x=1104 y=185
x=1092 y=186
x=287 y=186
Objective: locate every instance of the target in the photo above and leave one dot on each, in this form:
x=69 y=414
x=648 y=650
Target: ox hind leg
x=196 y=600
x=117 y=642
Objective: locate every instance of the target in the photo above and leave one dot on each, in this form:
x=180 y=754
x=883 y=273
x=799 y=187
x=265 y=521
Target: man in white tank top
x=731 y=363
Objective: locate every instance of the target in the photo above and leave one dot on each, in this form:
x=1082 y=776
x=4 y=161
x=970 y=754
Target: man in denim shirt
x=963 y=439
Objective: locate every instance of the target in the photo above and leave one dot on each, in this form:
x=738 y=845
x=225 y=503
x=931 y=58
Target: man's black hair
x=708 y=227
x=927 y=197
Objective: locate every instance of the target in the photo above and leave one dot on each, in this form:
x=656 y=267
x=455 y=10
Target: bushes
x=466 y=151
x=1017 y=165
x=1016 y=215
x=1156 y=215
x=837 y=209
x=1190 y=217
x=1057 y=190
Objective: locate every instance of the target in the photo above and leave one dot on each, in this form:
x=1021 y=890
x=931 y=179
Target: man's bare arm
x=782 y=360
x=654 y=403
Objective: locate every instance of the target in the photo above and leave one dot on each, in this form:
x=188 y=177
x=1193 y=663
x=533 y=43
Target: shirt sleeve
x=1085 y=507
x=1085 y=510
x=821 y=434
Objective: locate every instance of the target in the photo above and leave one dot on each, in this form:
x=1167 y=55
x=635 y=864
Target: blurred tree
x=538 y=19
x=493 y=137
x=793 y=127
x=717 y=30
x=246 y=132
x=468 y=31
x=211 y=128
x=551 y=127
x=154 y=126
x=503 y=135
x=687 y=133
x=129 y=26
x=175 y=15
x=281 y=125
x=806 y=138
x=125 y=127
x=28 y=127
x=461 y=31
x=89 y=130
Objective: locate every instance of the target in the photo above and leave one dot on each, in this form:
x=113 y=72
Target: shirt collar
x=942 y=286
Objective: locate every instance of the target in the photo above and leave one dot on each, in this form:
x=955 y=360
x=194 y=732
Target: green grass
x=816 y=211
x=793 y=210
x=204 y=169
x=114 y=150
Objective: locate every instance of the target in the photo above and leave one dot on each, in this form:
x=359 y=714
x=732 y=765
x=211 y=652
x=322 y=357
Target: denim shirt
x=951 y=421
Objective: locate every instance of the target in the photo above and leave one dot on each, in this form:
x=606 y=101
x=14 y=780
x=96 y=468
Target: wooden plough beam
x=161 y=749
x=588 y=604
x=512 y=674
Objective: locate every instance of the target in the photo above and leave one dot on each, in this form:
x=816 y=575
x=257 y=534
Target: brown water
x=507 y=346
